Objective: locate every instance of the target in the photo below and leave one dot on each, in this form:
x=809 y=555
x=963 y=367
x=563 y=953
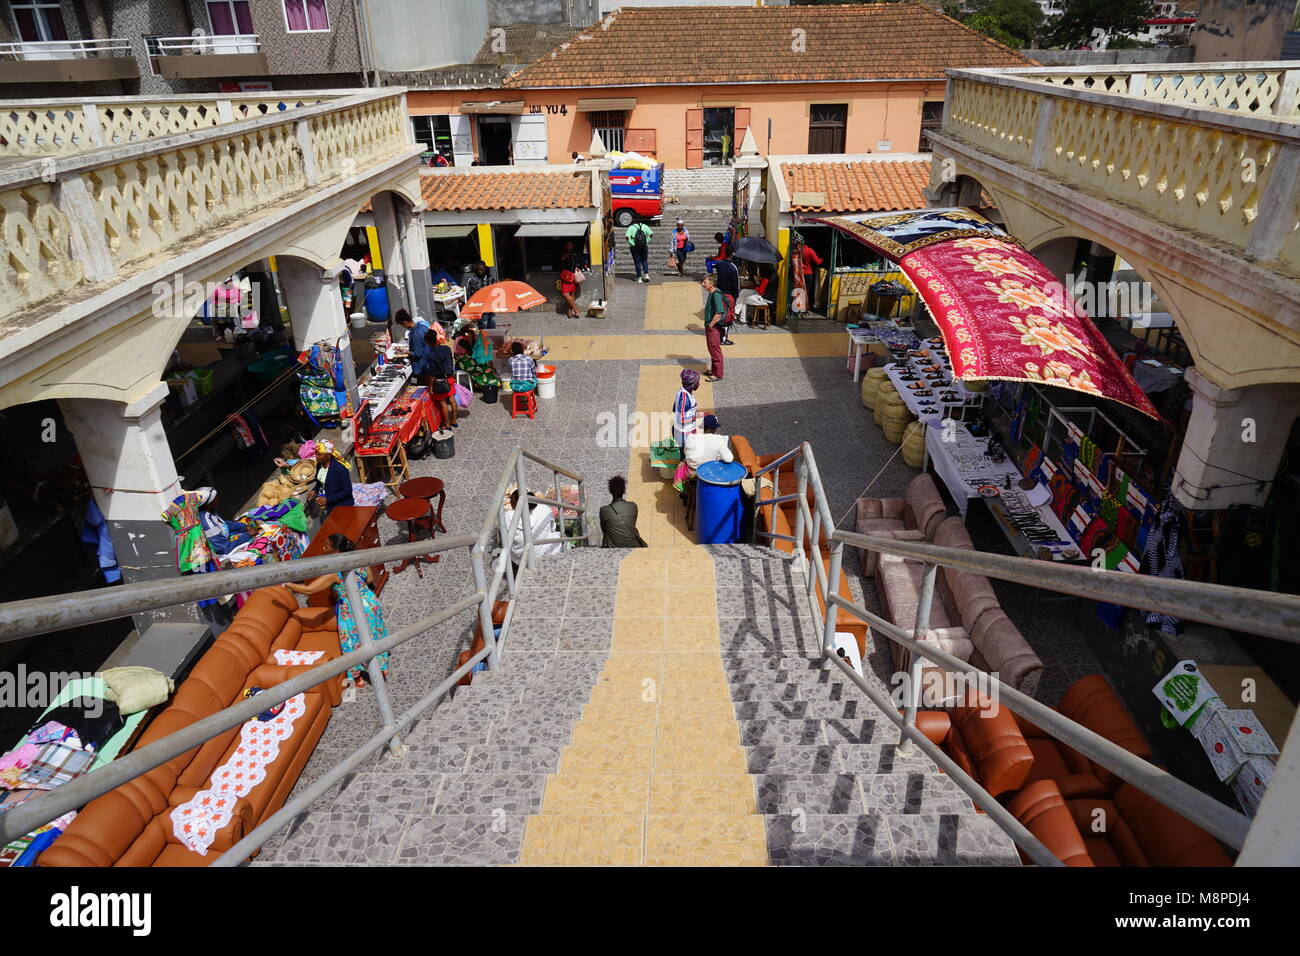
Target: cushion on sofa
x=924 y=505
x=994 y=742
x=870 y=558
x=951 y=533
x=1008 y=654
x=1042 y=810
x=1166 y=838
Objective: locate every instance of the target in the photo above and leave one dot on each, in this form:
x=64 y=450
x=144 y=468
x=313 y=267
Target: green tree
x=1080 y=17
x=1014 y=23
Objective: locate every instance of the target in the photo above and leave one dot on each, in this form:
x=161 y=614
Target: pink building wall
x=881 y=111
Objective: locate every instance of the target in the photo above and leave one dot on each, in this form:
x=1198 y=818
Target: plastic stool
x=529 y=407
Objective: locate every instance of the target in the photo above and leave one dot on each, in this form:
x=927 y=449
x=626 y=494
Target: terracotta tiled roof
x=859 y=187
x=522 y=43
x=508 y=189
x=676 y=45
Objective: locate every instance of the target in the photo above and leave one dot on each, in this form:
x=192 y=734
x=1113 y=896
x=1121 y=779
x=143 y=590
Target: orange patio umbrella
x=502 y=297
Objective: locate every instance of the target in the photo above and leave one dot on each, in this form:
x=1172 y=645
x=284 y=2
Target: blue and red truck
x=637 y=194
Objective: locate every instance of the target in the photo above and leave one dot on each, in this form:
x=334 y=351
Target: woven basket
x=871 y=386
x=914 y=444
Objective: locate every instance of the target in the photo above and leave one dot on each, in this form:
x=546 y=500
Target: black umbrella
x=756 y=249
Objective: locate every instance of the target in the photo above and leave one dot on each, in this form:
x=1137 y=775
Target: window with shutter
x=826 y=125
x=609 y=125
x=931 y=121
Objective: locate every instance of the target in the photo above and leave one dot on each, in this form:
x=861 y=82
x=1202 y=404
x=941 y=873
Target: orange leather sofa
x=131 y=826
x=780 y=519
x=1090 y=702
x=983 y=739
x=1132 y=829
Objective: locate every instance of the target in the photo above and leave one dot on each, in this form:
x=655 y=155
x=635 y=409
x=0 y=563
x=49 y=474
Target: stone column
x=128 y=462
x=1234 y=442
x=415 y=261
x=389 y=231
x=750 y=164
x=316 y=312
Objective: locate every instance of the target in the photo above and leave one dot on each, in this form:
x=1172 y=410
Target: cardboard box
x=1250 y=783
x=1231 y=738
x=1184 y=691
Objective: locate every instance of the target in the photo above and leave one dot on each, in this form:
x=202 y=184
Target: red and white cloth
x=197 y=822
x=298 y=658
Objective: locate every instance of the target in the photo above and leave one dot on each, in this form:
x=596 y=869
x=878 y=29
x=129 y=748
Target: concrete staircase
x=519 y=749
x=701 y=223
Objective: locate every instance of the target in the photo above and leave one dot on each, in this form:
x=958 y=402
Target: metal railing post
x=507 y=542
x=582 y=515
x=485 y=609
x=560 y=516
x=801 y=488
x=374 y=671
x=526 y=517
x=917 y=665
x=832 y=585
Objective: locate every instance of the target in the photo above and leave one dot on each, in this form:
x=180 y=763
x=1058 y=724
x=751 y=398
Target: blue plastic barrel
x=717 y=502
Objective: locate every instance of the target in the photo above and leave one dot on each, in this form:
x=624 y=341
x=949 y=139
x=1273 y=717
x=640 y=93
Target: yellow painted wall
x=486 y=250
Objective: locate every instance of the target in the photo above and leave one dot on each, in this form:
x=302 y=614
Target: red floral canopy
x=1002 y=314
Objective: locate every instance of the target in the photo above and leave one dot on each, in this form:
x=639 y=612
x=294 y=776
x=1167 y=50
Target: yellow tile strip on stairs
x=655 y=773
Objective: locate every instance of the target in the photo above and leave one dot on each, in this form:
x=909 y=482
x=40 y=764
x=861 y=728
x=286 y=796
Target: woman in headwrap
x=333 y=475
x=685 y=411
x=476 y=357
x=223 y=536
x=349 y=639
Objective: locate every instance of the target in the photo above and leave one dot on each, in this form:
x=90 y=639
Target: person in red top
x=569 y=285
x=809 y=258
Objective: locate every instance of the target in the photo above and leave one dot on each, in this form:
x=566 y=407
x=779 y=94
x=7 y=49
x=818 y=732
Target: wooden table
x=360 y=526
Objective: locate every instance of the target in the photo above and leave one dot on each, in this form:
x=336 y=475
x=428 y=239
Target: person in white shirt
x=708 y=445
x=542 y=521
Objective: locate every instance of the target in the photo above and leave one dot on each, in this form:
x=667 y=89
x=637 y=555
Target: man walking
x=715 y=314
x=638 y=238
x=728 y=284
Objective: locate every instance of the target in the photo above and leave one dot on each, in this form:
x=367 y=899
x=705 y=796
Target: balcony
x=210 y=57
x=67 y=61
x=1210 y=151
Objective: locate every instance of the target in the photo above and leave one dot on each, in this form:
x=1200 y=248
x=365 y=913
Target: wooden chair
x=761 y=313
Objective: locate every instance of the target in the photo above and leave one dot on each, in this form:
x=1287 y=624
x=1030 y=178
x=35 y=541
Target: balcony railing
x=1211 y=150
x=205 y=44
x=65 y=50
x=163 y=185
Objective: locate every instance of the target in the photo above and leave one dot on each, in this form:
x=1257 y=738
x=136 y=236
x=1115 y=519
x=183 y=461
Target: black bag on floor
x=419 y=447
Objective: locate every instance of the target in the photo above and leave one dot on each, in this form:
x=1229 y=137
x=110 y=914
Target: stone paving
x=461 y=797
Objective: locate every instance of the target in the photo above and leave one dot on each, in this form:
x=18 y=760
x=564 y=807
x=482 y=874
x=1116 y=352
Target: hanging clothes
x=95 y=532
x=193 y=556
x=1163 y=558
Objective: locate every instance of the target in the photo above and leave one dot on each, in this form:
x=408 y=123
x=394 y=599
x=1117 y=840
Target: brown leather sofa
x=780 y=519
x=914 y=517
x=1092 y=703
x=982 y=738
x=1132 y=829
x=966 y=617
x=131 y=826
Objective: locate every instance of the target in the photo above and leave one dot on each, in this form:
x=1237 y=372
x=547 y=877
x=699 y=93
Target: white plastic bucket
x=358 y=320
x=545 y=381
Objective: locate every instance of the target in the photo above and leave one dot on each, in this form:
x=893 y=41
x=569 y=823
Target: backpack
x=729 y=309
x=639 y=241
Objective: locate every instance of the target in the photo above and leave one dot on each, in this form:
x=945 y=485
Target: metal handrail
x=42 y=616
x=1260 y=612
x=67 y=49
x=205 y=44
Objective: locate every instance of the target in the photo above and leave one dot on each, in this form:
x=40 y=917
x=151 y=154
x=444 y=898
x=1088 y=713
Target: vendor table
x=451 y=299
x=1033 y=531
x=1153 y=375
x=963 y=463
x=928 y=413
x=361 y=527
x=411 y=412
x=382 y=449
x=882 y=331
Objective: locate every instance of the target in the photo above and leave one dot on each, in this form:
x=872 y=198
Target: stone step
x=885 y=839
x=831 y=793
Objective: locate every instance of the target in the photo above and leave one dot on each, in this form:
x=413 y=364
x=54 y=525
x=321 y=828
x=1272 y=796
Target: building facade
x=61 y=48
x=840 y=79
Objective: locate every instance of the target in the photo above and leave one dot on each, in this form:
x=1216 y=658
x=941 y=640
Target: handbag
x=579 y=276
x=689 y=247
x=464 y=397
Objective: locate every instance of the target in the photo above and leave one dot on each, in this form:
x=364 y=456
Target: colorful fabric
x=56 y=764
x=1163 y=558
x=297 y=658
x=349 y=639
x=1002 y=314
x=192 y=551
x=197 y=822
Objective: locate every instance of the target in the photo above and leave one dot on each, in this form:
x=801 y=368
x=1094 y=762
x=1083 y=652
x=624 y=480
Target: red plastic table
x=414 y=512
